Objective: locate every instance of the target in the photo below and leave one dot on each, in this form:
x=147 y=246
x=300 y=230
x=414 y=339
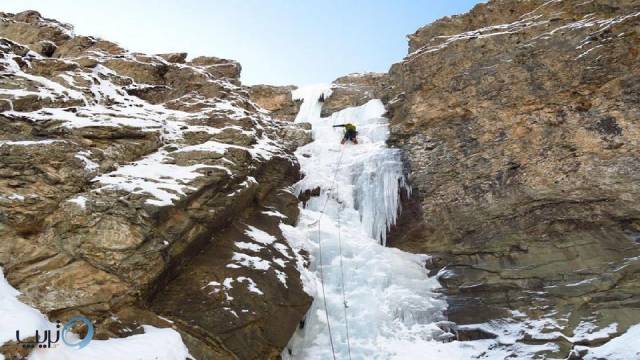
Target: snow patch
x=248 y=246
x=623 y=347
x=249 y=261
x=274 y=214
x=151 y=175
x=282 y=277
x=251 y=285
x=79 y=200
x=259 y=235
x=85 y=157
x=155 y=343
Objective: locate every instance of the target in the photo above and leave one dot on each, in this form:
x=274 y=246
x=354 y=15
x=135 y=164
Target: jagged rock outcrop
x=520 y=122
x=176 y=58
x=355 y=90
x=277 y=99
x=218 y=67
x=133 y=184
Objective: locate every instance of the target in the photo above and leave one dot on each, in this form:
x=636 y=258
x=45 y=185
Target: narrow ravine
x=391 y=306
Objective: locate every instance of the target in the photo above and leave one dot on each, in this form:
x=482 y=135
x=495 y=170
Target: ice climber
x=350 y=133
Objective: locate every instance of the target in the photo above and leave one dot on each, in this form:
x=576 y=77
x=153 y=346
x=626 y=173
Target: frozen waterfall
x=391 y=307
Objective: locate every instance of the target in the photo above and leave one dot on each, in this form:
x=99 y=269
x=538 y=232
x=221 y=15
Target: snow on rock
x=587 y=331
x=15 y=315
x=99 y=96
x=624 y=347
x=282 y=249
x=85 y=157
x=45 y=87
x=249 y=261
x=531 y=20
x=274 y=213
x=151 y=175
x=242 y=245
x=494 y=30
x=164 y=153
x=210 y=146
x=227 y=285
x=29 y=143
x=79 y=200
x=13 y=197
x=251 y=285
x=282 y=277
x=259 y=235
x=155 y=343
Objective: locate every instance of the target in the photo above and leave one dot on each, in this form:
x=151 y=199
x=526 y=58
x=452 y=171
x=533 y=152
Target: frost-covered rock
x=118 y=168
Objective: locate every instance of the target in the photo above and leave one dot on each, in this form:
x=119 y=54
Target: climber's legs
x=350 y=136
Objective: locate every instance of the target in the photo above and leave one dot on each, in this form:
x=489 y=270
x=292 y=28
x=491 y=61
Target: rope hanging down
x=344 y=298
x=324 y=297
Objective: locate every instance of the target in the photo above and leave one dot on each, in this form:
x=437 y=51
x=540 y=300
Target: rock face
x=521 y=125
x=355 y=90
x=178 y=58
x=132 y=185
x=218 y=67
x=277 y=99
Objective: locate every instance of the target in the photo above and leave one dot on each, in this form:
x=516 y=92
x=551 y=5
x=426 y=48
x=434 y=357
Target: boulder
x=177 y=58
x=218 y=67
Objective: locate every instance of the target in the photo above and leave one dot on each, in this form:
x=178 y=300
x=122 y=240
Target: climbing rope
x=324 y=297
x=344 y=298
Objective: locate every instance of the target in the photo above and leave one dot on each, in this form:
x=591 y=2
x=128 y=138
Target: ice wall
x=388 y=293
x=375 y=171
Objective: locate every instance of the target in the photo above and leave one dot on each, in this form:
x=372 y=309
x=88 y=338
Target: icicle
x=377 y=193
x=310 y=96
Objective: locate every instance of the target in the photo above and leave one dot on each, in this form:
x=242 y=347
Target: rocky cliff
x=146 y=189
x=520 y=123
x=355 y=90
